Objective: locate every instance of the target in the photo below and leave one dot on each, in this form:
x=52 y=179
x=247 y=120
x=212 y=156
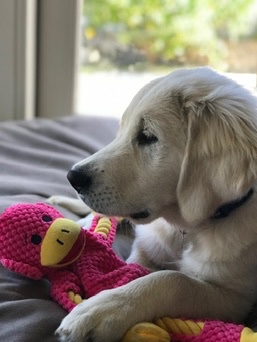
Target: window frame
x=58 y=57
x=39 y=58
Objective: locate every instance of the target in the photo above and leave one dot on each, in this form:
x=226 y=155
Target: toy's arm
x=66 y=289
x=105 y=227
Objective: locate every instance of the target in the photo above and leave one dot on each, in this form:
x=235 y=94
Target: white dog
x=184 y=164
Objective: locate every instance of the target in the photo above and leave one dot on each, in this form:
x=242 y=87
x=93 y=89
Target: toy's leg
x=146 y=332
x=162 y=329
x=248 y=335
x=103 y=227
x=180 y=326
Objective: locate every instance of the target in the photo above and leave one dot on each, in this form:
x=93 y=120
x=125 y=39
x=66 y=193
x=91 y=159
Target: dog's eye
x=146 y=138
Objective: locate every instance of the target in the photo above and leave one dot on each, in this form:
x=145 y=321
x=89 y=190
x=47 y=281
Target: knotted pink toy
x=169 y=329
x=37 y=241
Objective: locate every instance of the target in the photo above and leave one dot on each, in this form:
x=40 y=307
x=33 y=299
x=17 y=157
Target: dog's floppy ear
x=220 y=161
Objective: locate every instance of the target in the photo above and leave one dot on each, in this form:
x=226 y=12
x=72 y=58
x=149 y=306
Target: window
x=38 y=57
x=125 y=44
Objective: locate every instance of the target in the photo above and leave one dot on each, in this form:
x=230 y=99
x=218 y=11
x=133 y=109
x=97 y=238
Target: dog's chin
x=145 y=215
x=140 y=215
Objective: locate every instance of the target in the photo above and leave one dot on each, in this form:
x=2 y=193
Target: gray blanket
x=34 y=159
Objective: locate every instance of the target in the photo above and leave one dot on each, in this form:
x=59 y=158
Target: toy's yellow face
x=62 y=244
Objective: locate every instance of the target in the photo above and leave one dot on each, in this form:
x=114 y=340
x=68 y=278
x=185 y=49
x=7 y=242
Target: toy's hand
x=66 y=289
x=75 y=297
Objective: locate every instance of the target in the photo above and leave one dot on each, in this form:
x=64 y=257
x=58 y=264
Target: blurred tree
x=169 y=30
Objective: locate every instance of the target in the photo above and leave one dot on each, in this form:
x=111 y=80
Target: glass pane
x=126 y=43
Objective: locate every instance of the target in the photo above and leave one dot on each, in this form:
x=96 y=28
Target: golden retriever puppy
x=184 y=167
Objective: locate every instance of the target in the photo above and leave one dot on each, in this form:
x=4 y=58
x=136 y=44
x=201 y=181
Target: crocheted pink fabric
x=23 y=228
x=100 y=268
x=213 y=331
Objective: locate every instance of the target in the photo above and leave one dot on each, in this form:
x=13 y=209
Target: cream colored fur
x=204 y=155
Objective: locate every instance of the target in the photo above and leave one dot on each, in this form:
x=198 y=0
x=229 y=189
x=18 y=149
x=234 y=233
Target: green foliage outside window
x=169 y=30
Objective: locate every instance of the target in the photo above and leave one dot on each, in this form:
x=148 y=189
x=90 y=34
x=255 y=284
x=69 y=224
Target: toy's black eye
x=146 y=138
x=36 y=239
x=47 y=218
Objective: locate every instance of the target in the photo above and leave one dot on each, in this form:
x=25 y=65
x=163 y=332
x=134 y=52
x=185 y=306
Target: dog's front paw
x=56 y=199
x=76 y=205
x=104 y=317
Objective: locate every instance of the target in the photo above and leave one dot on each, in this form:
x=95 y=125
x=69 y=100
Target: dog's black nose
x=79 y=179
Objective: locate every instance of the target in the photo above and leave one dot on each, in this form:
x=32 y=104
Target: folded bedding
x=34 y=159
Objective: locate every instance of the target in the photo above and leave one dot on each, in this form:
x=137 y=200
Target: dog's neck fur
x=172 y=215
x=226 y=209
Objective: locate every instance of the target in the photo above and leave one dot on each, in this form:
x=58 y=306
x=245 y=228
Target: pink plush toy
x=37 y=241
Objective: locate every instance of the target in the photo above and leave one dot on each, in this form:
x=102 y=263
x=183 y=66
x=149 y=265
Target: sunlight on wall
x=109 y=93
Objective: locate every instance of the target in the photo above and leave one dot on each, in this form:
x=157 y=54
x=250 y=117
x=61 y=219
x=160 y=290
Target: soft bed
x=34 y=159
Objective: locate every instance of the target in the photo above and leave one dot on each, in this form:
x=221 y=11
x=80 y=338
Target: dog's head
x=186 y=145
